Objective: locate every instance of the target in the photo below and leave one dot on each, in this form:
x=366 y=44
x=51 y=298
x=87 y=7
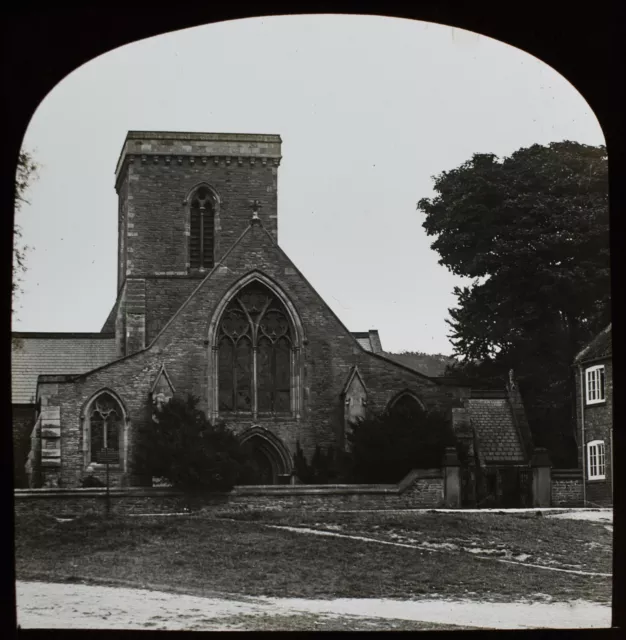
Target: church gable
x=323 y=350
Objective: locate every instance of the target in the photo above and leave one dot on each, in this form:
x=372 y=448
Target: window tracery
x=201 y=229
x=255 y=344
x=105 y=420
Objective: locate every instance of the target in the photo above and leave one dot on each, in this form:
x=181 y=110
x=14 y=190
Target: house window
x=596 y=469
x=594 y=377
x=255 y=354
x=201 y=224
x=105 y=419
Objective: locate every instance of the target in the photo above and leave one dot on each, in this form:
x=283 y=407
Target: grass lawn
x=567 y=544
x=203 y=555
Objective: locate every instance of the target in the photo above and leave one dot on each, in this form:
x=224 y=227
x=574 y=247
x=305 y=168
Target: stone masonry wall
x=328 y=354
x=153 y=186
x=424 y=492
x=157 y=214
x=135 y=315
x=567 y=488
x=122 y=230
x=164 y=296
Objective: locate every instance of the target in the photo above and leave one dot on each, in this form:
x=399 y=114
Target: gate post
x=541 y=480
x=452 y=478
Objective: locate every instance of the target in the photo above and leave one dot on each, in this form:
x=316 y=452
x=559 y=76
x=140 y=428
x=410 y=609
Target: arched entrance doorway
x=270 y=461
x=263 y=470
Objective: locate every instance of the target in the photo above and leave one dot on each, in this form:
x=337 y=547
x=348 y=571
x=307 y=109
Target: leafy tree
x=532 y=232
x=301 y=466
x=330 y=466
x=387 y=446
x=191 y=453
x=26 y=173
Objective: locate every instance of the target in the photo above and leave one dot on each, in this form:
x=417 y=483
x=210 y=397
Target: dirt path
x=595 y=515
x=46 y=605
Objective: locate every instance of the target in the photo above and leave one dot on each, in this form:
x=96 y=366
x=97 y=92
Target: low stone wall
x=567 y=488
x=74 y=502
x=420 y=489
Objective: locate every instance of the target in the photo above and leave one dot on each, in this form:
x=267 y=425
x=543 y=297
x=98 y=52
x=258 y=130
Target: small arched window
x=201 y=229
x=255 y=354
x=407 y=405
x=105 y=426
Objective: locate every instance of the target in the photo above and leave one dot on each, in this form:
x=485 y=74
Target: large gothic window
x=255 y=354
x=201 y=224
x=105 y=422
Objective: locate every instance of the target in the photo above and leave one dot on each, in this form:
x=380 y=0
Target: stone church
x=209 y=304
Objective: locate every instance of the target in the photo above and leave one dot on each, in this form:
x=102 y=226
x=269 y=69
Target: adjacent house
x=594 y=418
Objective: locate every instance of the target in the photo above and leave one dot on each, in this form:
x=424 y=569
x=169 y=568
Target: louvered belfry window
x=255 y=354
x=202 y=216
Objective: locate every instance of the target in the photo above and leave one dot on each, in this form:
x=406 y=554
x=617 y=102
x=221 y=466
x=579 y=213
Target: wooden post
x=107 y=456
x=541 y=481
x=452 y=478
x=108 y=500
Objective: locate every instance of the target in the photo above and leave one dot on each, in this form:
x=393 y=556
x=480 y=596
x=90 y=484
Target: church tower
x=184 y=199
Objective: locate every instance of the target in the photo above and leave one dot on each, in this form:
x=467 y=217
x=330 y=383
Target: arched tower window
x=255 y=353
x=106 y=420
x=201 y=229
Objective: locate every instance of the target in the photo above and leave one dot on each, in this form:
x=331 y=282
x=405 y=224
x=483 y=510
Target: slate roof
x=369 y=340
x=433 y=365
x=54 y=353
x=600 y=347
x=498 y=438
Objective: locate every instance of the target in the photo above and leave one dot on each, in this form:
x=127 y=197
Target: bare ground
x=46 y=605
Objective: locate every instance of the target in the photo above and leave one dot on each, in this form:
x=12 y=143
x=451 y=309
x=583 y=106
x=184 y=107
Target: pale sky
x=369 y=109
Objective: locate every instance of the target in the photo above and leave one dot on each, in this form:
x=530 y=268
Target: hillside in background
x=430 y=364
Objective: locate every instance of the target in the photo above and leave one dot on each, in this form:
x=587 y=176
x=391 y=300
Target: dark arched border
x=401 y=394
x=297 y=375
x=578 y=44
x=272 y=446
x=217 y=203
x=85 y=427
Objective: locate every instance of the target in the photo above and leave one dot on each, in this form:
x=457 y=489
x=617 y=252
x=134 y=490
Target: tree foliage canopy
x=327 y=466
x=190 y=452
x=532 y=232
x=26 y=173
x=385 y=447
